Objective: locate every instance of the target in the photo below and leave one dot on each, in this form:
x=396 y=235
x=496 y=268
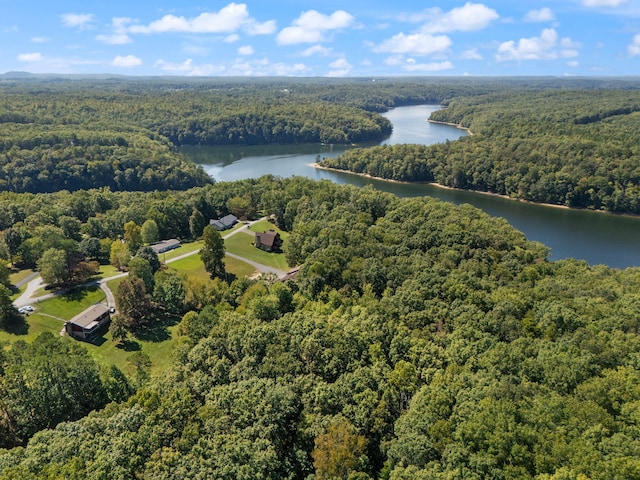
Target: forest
x=420 y=340
x=574 y=148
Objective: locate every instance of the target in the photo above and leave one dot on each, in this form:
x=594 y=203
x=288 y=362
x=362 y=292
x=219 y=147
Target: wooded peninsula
x=409 y=339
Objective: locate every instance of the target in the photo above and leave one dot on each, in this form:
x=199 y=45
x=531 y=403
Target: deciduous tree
x=212 y=253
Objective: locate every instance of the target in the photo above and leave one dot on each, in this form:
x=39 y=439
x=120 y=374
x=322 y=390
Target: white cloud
x=573 y=64
x=80 y=20
x=189 y=68
x=545 y=47
x=316 y=50
x=257 y=67
x=542 y=15
x=245 y=50
x=634 y=47
x=311 y=26
x=411 y=65
x=340 y=68
x=119 y=35
x=603 y=3
x=416 y=44
x=469 y=17
x=229 y=19
x=266 y=28
x=114 y=39
x=471 y=54
x=30 y=57
x=234 y=37
x=38 y=63
x=40 y=39
x=126 y=62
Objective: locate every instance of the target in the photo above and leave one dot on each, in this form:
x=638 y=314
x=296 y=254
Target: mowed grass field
x=242 y=244
x=158 y=344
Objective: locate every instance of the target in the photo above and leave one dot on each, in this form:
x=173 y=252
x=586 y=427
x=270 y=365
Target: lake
x=596 y=237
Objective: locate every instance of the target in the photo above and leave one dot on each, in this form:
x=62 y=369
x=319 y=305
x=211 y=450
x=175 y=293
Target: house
x=165 y=245
x=268 y=241
x=86 y=324
x=224 y=223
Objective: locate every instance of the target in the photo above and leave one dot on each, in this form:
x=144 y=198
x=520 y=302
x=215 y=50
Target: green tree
x=169 y=291
x=140 y=268
x=8 y=312
x=212 y=253
x=150 y=256
x=119 y=255
x=338 y=452
x=53 y=266
x=119 y=329
x=134 y=304
x=149 y=232
x=132 y=236
x=90 y=247
x=197 y=223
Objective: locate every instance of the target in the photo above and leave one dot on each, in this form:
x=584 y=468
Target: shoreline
x=451 y=124
x=446 y=187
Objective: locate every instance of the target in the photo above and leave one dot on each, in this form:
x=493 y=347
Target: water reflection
x=595 y=237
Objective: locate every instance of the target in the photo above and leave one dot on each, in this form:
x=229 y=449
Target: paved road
x=34 y=281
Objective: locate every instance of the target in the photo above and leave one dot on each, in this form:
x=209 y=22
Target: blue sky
x=329 y=38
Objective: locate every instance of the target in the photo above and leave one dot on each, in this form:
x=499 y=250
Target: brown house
x=86 y=324
x=268 y=241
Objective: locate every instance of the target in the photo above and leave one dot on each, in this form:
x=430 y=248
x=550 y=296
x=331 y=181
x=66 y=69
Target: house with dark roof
x=165 y=245
x=224 y=223
x=268 y=241
x=85 y=325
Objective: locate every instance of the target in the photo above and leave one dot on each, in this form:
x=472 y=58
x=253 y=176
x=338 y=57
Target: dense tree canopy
x=573 y=148
x=420 y=340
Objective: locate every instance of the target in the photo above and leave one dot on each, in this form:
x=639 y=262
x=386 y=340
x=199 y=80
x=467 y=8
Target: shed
x=85 y=325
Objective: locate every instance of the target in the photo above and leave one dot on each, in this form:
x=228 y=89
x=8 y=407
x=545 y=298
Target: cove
x=595 y=237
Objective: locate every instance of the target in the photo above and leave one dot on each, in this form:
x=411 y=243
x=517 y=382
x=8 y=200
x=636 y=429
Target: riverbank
x=492 y=194
x=451 y=124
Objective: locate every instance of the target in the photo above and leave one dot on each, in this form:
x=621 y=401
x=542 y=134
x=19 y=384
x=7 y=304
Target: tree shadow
x=154 y=333
x=129 y=346
x=78 y=293
x=17 y=325
x=157 y=330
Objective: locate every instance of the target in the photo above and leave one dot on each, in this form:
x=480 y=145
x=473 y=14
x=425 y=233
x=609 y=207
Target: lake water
x=592 y=236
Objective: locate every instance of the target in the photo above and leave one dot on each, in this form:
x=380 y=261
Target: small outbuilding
x=165 y=245
x=85 y=325
x=268 y=241
x=224 y=223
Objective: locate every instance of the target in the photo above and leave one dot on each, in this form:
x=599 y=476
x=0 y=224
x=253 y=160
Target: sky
x=355 y=38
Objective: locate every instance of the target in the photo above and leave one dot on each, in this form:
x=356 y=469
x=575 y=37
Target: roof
x=165 y=245
x=87 y=319
x=268 y=239
x=225 y=222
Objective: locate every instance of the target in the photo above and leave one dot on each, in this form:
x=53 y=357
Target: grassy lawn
x=181 y=250
x=193 y=266
x=238 y=267
x=107 y=271
x=242 y=245
x=264 y=225
x=16 y=275
x=30 y=328
x=68 y=305
x=160 y=352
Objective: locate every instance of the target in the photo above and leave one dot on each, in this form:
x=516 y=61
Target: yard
x=241 y=244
